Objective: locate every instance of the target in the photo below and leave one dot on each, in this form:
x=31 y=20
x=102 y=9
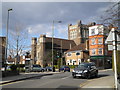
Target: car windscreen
x=84 y=65
x=66 y=67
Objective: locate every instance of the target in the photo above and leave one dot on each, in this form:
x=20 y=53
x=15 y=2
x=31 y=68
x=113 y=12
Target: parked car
x=86 y=70
x=36 y=68
x=64 y=68
x=48 y=68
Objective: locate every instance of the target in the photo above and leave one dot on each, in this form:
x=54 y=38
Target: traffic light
x=58 y=54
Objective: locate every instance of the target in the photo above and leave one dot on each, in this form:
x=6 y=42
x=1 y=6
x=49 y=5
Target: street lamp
x=53 y=41
x=7 y=34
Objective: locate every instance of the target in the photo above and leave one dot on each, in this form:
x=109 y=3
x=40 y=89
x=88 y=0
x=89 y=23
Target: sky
x=36 y=18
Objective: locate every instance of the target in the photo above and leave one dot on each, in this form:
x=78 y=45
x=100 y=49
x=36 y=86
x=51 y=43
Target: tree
x=48 y=56
x=111 y=16
x=17 y=42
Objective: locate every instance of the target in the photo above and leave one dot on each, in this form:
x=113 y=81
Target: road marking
x=11 y=83
x=66 y=77
x=54 y=81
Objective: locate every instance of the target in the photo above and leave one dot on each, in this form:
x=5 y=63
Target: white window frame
x=100 y=51
x=69 y=54
x=92 y=30
x=93 y=42
x=94 y=51
x=100 y=40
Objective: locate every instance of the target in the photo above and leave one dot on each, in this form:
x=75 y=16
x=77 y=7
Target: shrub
x=13 y=67
x=72 y=66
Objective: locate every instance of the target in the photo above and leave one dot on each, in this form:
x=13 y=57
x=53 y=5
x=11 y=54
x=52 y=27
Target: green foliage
x=13 y=67
x=21 y=69
x=72 y=66
x=56 y=66
x=21 y=65
x=18 y=67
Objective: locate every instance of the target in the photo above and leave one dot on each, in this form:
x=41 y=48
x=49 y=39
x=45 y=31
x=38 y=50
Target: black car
x=48 y=68
x=86 y=70
x=64 y=68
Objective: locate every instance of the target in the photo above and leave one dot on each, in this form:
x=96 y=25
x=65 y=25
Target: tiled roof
x=81 y=46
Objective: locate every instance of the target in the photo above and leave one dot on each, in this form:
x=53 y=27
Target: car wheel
x=88 y=76
x=42 y=70
x=96 y=75
x=74 y=76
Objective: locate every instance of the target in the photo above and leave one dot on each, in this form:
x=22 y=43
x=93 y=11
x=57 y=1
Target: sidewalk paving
x=24 y=76
x=102 y=82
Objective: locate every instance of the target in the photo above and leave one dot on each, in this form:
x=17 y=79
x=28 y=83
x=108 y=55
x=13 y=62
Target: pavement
x=102 y=82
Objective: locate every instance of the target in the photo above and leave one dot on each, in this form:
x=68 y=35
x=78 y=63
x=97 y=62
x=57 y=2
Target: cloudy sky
x=36 y=17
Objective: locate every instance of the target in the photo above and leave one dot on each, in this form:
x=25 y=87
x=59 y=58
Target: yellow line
x=11 y=83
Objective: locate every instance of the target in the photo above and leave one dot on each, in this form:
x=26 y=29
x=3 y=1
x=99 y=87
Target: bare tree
x=111 y=15
x=17 y=41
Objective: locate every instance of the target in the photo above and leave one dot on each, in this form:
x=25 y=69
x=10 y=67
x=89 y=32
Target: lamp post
x=53 y=42
x=7 y=35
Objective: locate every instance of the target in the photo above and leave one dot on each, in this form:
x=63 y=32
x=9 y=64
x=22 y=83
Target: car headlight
x=73 y=71
x=85 y=71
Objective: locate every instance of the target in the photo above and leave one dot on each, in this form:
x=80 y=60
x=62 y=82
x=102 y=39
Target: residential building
x=77 y=54
x=97 y=48
x=44 y=48
x=34 y=50
x=79 y=33
x=10 y=60
x=22 y=59
x=2 y=50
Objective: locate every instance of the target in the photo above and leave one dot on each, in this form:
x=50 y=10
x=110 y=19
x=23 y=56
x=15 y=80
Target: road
x=61 y=80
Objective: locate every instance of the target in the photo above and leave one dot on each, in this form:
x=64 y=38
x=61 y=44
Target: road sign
x=109 y=40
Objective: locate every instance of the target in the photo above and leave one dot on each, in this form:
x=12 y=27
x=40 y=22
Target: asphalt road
x=61 y=80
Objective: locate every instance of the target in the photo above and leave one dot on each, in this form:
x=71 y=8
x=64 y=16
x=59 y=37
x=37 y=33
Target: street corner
x=105 y=82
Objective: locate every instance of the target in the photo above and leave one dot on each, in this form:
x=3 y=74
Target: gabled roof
x=81 y=47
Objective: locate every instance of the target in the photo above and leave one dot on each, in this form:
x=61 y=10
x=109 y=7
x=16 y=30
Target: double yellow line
x=11 y=83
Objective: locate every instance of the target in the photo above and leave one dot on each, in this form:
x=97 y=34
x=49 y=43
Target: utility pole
x=7 y=36
x=53 y=41
x=61 y=54
x=115 y=54
x=52 y=44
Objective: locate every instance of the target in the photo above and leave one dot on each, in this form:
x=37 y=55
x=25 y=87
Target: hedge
x=70 y=66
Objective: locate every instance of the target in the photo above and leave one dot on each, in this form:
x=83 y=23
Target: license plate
x=78 y=74
x=78 y=71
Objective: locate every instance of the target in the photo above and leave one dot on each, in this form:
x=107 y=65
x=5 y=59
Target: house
x=77 y=54
x=98 y=50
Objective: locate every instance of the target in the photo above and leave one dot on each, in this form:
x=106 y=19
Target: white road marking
x=66 y=77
